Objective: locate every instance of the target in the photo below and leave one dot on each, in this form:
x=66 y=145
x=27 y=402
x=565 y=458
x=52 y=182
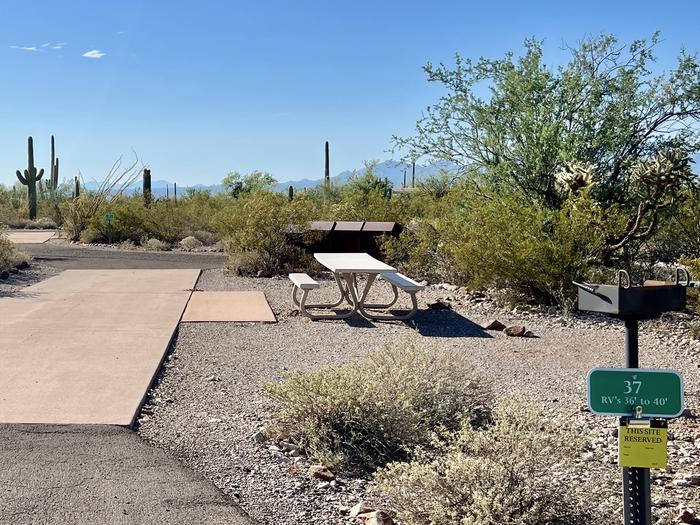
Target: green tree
x=605 y=109
x=237 y=184
x=368 y=183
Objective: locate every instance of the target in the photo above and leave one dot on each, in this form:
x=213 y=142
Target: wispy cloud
x=25 y=48
x=43 y=47
x=94 y=53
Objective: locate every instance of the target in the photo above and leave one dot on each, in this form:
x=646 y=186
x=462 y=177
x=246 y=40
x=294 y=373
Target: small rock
x=22 y=266
x=321 y=472
x=687 y=413
x=258 y=437
x=495 y=325
x=212 y=378
x=688 y=517
x=515 y=331
x=286 y=446
x=378 y=517
x=440 y=304
x=693 y=479
x=214 y=420
x=360 y=508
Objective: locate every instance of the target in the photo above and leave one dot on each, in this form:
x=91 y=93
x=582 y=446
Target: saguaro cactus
x=290 y=193
x=147 y=187
x=76 y=191
x=30 y=178
x=53 y=182
x=326 y=169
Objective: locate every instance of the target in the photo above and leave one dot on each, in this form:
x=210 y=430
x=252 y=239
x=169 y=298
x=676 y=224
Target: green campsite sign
x=620 y=391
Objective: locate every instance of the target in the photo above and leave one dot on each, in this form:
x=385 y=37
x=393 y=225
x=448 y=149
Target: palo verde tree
x=237 y=185
x=516 y=123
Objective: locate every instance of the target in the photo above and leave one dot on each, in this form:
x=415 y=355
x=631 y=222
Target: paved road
x=101 y=474
x=95 y=474
x=65 y=256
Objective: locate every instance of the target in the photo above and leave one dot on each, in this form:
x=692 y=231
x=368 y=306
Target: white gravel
x=209 y=399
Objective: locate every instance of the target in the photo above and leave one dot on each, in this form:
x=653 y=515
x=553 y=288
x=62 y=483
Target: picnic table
x=346 y=269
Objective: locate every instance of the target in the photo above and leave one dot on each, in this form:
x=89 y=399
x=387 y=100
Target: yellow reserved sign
x=643 y=446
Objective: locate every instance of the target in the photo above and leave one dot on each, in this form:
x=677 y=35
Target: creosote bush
x=257 y=227
x=512 y=472
x=378 y=410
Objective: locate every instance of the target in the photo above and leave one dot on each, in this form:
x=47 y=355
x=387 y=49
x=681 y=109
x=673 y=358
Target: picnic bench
x=346 y=268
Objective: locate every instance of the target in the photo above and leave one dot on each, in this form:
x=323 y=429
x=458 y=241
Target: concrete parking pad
x=29 y=236
x=101 y=474
x=228 y=306
x=83 y=346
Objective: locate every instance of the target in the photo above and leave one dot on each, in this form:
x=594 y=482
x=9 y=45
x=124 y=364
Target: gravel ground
x=23 y=278
x=208 y=402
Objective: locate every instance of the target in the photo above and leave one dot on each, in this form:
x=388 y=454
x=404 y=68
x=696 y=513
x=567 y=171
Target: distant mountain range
x=389 y=169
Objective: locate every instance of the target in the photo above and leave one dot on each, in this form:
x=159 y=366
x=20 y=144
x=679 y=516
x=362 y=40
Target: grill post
x=636 y=482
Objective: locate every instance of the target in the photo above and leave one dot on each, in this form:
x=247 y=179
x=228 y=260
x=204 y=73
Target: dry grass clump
x=378 y=410
x=156 y=245
x=517 y=470
x=190 y=243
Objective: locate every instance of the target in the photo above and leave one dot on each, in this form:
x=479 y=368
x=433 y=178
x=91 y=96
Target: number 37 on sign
x=621 y=391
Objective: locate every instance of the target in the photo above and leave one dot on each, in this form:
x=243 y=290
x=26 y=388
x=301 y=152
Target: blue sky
x=202 y=88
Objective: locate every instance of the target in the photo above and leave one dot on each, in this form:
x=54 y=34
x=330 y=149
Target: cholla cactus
x=578 y=175
x=666 y=169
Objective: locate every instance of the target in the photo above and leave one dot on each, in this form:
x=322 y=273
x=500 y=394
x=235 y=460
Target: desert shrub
x=190 y=243
x=377 y=410
x=511 y=472
x=243 y=263
x=259 y=223
x=91 y=235
x=417 y=252
x=156 y=245
x=42 y=223
x=9 y=255
x=508 y=242
x=205 y=237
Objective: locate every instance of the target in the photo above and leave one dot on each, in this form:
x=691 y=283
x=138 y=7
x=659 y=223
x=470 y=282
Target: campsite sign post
x=644 y=399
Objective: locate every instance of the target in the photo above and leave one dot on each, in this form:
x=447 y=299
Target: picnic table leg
x=404 y=317
x=296 y=301
x=303 y=306
x=384 y=306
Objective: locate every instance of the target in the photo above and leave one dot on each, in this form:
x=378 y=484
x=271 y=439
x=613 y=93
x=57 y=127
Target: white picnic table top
x=352 y=263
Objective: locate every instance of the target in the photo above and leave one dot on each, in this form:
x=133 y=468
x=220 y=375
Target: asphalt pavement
x=97 y=474
x=65 y=256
